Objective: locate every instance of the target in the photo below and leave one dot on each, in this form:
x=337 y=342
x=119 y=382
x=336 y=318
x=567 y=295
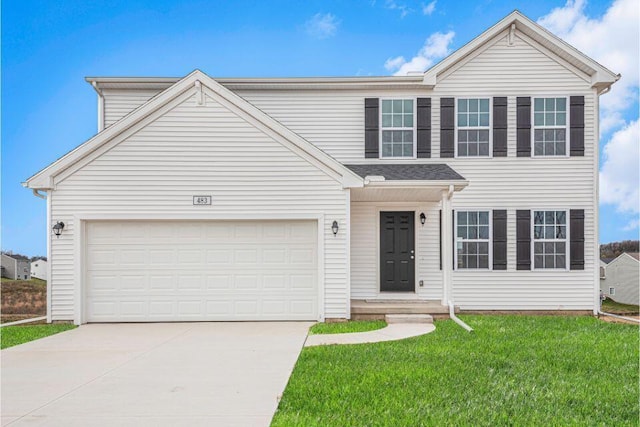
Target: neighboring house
x=621 y=281
x=16 y=267
x=289 y=198
x=39 y=269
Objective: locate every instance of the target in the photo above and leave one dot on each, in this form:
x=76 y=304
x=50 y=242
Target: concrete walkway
x=393 y=332
x=159 y=374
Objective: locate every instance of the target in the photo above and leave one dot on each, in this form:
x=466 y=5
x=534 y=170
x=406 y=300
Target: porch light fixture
x=423 y=218
x=334 y=227
x=57 y=228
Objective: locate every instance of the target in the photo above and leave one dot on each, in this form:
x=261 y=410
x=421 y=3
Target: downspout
x=37 y=194
x=100 y=106
x=452 y=315
x=630 y=319
x=449 y=284
x=48 y=199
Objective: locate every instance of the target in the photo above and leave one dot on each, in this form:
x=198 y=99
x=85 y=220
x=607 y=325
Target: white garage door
x=193 y=271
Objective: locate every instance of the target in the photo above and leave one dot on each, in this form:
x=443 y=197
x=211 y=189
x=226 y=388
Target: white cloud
x=322 y=26
x=620 y=172
x=613 y=40
x=429 y=8
x=632 y=225
x=437 y=46
x=403 y=8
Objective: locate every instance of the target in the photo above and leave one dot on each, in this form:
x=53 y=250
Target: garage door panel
x=220 y=270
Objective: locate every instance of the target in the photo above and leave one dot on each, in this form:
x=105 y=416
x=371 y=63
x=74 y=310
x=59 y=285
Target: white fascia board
x=600 y=74
x=44 y=178
x=347 y=178
x=436 y=184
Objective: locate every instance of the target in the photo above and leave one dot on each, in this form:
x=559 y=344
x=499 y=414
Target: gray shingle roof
x=413 y=172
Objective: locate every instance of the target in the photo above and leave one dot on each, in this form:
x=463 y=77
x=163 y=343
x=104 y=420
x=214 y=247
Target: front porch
x=401 y=242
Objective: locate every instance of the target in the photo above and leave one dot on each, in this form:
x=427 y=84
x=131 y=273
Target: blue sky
x=48 y=47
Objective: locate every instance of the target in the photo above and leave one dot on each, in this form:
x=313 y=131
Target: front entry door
x=397 y=252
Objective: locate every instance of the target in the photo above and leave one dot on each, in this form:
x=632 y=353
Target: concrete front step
x=397 y=307
x=408 y=318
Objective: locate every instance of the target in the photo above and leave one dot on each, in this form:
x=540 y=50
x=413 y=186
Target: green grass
x=346 y=327
x=513 y=370
x=610 y=306
x=14 y=335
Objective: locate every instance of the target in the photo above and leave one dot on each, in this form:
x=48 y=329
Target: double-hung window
x=473 y=241
x=398 y=135
x=549 y=239
x=550 y=126
x=473 y=120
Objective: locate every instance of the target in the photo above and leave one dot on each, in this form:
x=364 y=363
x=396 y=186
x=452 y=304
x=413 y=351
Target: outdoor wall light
x=334 y=227
x=423 y=218
x=57 y=228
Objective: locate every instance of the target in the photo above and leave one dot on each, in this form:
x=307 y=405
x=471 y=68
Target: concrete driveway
x=173 y=374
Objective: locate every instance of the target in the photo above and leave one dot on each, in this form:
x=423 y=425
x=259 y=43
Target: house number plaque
x=201 y=200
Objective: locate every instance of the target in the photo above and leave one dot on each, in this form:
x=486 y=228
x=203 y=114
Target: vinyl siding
x=333 y=120
x=120 y=102
x=198 y=150
x=623 y=274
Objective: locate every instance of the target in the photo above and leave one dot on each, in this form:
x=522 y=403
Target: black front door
x=397 y=252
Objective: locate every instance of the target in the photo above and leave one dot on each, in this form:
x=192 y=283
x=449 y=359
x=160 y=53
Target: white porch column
x=447 y=245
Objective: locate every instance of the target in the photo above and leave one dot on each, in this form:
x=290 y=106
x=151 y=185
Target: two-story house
x=200 y=198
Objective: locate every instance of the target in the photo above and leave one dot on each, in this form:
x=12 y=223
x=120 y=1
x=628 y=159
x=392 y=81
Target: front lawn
x=347 y=327
x=513 y=370
x=14 y=335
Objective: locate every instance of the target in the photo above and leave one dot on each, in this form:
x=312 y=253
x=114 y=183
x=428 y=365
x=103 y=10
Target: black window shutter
x=371 y=128
x=447 y=127
x=440 y=235
x=523 y=240
x=500 y=126
x=423 y=136
x=523 y=126
x=576 y=234
x=499 y=239
x=576 y=124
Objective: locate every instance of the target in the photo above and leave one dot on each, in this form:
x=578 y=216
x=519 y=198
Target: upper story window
x=398 y=133
x=473 y=120
x=473 y=239
x=550 y=239
x=550 y=126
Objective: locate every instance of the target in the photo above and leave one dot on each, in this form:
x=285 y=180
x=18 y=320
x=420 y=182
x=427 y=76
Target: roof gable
x=516 y=22
x=196 y=82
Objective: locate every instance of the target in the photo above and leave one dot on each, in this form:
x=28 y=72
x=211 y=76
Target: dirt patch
x=616 y=320
x=22 y=299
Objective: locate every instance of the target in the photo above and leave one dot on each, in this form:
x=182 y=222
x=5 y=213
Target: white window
x=612 y=291
x=397 y=129
x=474 y=124
x=473 y=239
x=550 y=126
x=550 y=239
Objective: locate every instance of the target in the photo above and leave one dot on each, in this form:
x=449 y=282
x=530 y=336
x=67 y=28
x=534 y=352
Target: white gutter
x=630 y=319
x=37 y=194
x=452 y=315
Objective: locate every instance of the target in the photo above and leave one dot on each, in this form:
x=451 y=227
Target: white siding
x=198 y=150
x=623 y=274
x=510 y=183
x=120 y=102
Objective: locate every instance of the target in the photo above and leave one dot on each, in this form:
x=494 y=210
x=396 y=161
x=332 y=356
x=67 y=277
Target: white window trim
x=567 y=240
x=490 y=240
x=415 y=128
x=455 y=137
x=566 y=127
